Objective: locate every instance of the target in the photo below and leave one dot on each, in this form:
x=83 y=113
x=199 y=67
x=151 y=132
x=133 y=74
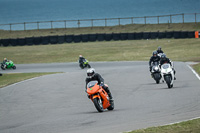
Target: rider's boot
x=109 y=93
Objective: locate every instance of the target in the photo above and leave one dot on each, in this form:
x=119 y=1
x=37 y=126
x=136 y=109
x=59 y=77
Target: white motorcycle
x=167 y=73
x=156 y=72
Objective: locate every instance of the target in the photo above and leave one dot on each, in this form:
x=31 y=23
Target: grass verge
x=197 y=68
x=192 y=126
x=129 y=50
x=8 y=79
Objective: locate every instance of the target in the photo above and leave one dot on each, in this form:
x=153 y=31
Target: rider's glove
x=101 y=84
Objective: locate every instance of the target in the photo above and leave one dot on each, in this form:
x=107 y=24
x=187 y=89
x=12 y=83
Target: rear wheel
x=157 y=77
x=111 y=107
x=2 y=67
x=98 y=104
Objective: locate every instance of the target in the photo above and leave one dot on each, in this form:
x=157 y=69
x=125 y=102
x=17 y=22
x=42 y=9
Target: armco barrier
x=95 y=37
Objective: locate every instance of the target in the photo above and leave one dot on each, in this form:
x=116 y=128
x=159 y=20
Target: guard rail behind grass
x=95 y=37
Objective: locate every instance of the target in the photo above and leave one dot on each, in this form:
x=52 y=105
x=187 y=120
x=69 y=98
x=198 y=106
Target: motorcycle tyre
x=168 y=81
x=2 y=67
x=98 y=105
x=156 y=78
x=14 y=67
x=89 y=66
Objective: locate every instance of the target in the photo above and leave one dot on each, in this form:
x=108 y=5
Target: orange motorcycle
x=99 y=96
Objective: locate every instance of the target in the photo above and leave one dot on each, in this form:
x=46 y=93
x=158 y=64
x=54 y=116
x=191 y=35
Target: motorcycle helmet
x=155 y=53
x=80 y=55
x=90 y=72
x=163 y=56
x=5 y=59
x=159 y=48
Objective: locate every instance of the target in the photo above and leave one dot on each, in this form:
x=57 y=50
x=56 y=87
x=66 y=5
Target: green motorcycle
x=8 y=65
x=84 y=64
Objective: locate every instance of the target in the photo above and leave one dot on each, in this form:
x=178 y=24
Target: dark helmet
x=163 y=56
x=90 y=72
x=159 y=48
x=155 y=53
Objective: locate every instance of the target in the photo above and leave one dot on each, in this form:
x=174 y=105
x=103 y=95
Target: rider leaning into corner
x=154 y=58
x=164 y=60
x=81 y=59
x=93 y=76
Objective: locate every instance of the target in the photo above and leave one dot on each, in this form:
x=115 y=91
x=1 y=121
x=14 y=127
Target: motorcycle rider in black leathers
x=154 y=58
x=92 y=76
x=164 y=60
x=159 y=50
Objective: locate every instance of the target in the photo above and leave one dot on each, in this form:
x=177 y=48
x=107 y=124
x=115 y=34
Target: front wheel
x=157 y=77
x=98 y=104
x=14 y=67
x=89 y=66
x=168 y=81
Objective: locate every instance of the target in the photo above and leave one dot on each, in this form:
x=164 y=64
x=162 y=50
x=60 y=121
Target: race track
x=57 y=103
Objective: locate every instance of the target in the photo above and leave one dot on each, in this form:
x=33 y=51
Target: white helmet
x=90 y=72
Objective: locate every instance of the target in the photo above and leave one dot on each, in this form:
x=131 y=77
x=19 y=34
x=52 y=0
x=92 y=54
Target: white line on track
x=194 y=71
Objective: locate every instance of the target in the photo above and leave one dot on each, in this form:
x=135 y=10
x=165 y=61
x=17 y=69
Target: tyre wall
x=43 y=40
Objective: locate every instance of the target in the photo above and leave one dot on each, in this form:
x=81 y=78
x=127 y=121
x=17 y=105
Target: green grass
x=197 y=68
x=130 y=50
x=109 y=29
x=8 y=79
x=192 y=126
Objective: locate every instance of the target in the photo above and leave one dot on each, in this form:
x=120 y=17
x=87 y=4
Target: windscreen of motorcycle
x=165 y=66
x=91 y=84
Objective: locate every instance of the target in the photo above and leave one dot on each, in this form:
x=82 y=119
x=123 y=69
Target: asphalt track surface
x=57 y=103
